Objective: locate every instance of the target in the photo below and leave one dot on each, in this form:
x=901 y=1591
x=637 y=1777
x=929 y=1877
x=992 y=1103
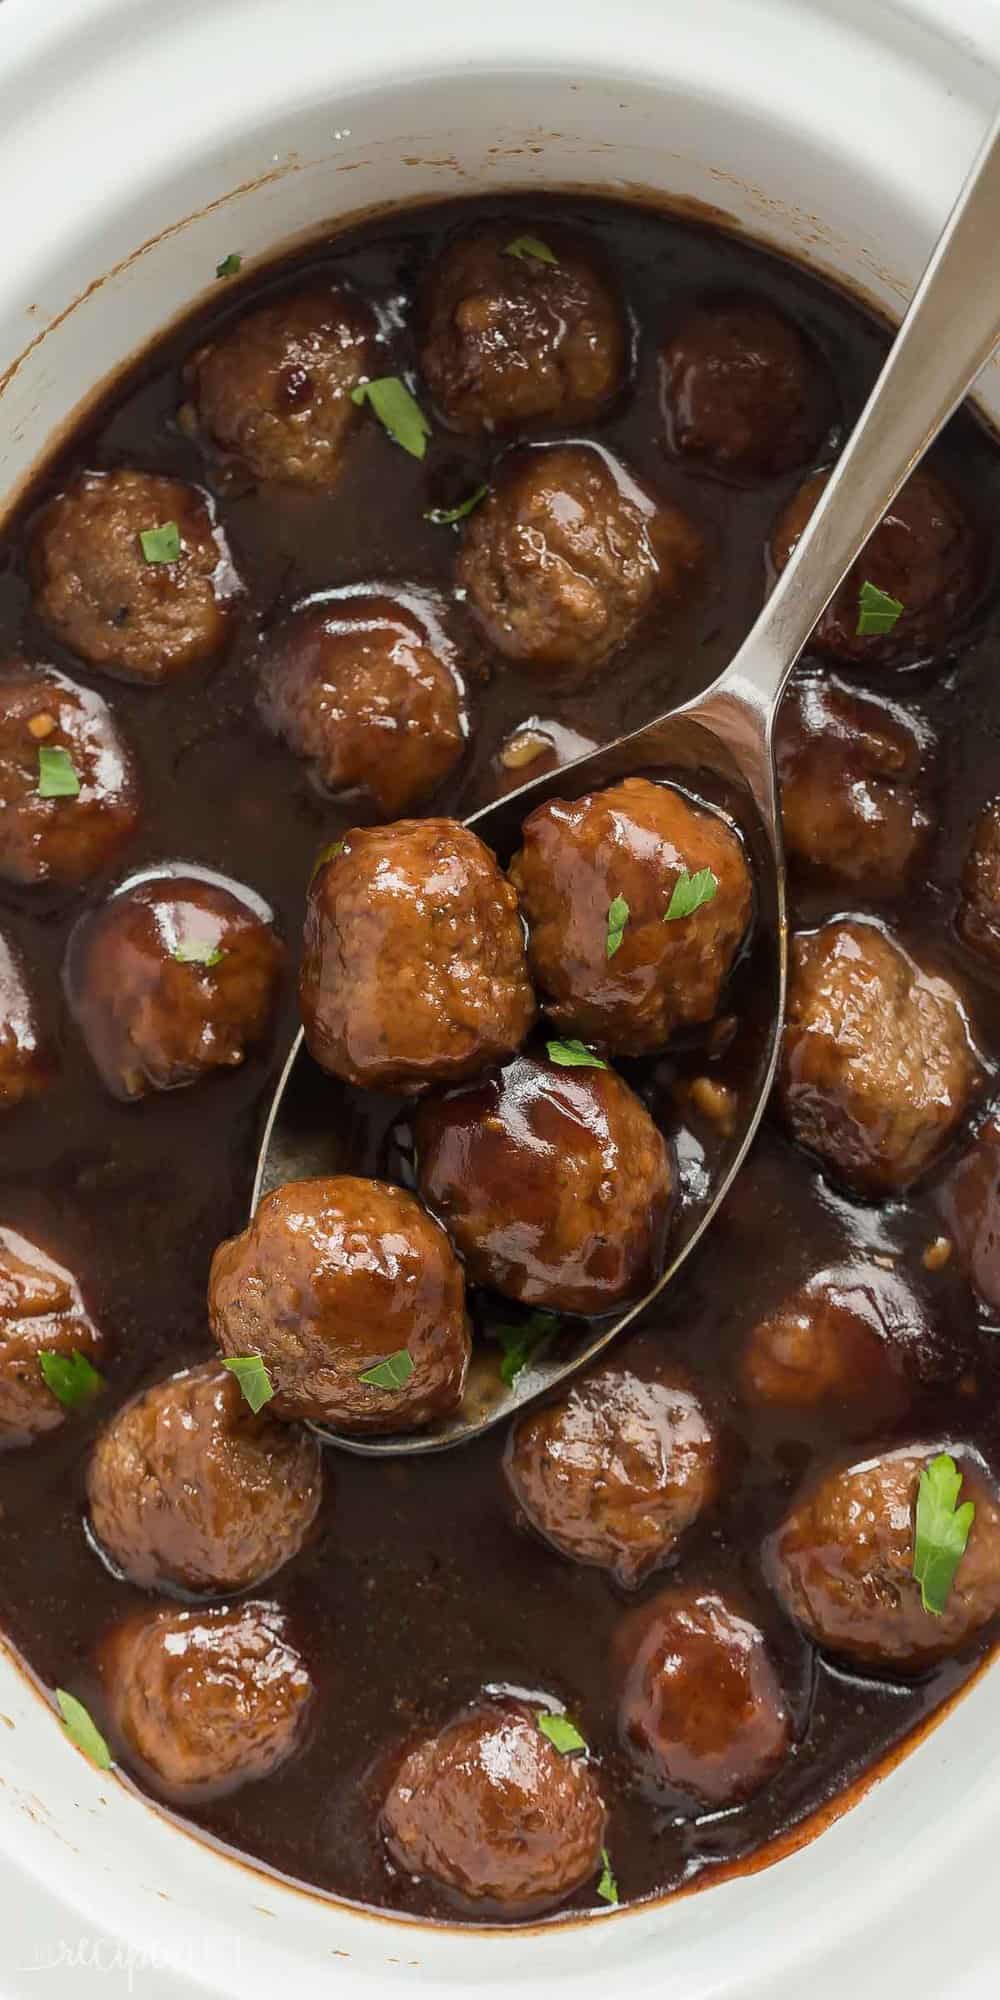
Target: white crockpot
x=143 y=141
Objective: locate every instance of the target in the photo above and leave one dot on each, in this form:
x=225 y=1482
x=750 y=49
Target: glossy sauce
x=419 y=1590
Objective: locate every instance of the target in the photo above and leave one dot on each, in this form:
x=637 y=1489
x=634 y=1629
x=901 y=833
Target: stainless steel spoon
x=720 y=747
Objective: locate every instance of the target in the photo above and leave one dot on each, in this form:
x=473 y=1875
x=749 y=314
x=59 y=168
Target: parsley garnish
x=229 y=265
x=445 y=517
x=521 y=1343
x=563 y=1734
x=618 y=915
x=607 y=1887
x=530 y=248
x=877 y=611
x=161 y=545
x=941 y=1531
x=253 y=1378
x=58 y=777
x=689 y=893
x=82 y=1730
x=72 y=1378
x=574 y=1055
x=392 y=1373
x=397 y=411
x=197 y=951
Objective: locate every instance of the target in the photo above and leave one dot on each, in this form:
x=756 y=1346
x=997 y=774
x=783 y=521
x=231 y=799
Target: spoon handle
x=947 y=337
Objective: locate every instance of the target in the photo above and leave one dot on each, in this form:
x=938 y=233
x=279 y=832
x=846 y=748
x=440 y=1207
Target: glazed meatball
x=27 y=1065
x=274 y=389
x=842 y=1562
x=137 y=616
x=207 y=1700
x=877 y=1068
x=490 y=1810
x=969 y=1201
x=742 y=391
x=633 y=841
x=174 y=977
x=187 y=1487
x=414 y=969
x=41 y=1313
x=853 y=1339
x=851 y=769
x=924 y=553
x=367 y=688
x=68 y=789
x=554 y=1184
x=702 y=1709
x=332 y=1278
x=508 y=339
x=979 y=912
x=614 y=1472
x=566 y=556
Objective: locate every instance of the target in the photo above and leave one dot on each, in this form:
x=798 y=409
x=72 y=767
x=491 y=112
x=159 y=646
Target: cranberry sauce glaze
x=418 y=1586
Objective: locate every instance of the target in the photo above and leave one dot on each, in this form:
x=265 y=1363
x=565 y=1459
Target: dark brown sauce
x=419 y=1589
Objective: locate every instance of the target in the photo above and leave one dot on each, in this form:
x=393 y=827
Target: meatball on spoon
x=719 y=748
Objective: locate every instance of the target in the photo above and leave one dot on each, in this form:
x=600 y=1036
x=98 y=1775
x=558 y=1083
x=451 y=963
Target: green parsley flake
x=445 y=517
x=82 y=1730
x=941 y=1531
x=72 y=1378
x=689 y=893
x=877 y=612
x=530 y=249
x=563 y=1734
x=58 y=777
x=161 y=545
x=618 y=915
x=197 y=951
x=229 y=265
x=574 y=1055
x=607 y=1887
x=253 y=1378
x=397 y=411
x=393 y=1373
x=521 y=1343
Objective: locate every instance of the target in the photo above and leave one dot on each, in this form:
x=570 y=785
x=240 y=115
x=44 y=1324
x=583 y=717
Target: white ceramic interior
x=143 y=142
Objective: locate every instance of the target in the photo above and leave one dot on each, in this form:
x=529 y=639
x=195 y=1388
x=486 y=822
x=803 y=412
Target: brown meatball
x=842 y=1562
x=171 y=978
x=853 y=1338
x=633 y=840
x=41 y=1312
x=207 y=1699
x=969 y=1201
x=414 y=969
x=510 y=340
x=877 y=1067
x=614 y=1472
x=489 y=1809
x=188 y=1487
x=554 y=1183
x=60 y=837
x=567 y=555
x=850 y=769
x=138 y=619
x=331 y=1278
x=742 y=390
x=366 y=686
x=979 y=912
x=27 y=1065
x=274 y=389
x=702 y=1709
x=924 y=553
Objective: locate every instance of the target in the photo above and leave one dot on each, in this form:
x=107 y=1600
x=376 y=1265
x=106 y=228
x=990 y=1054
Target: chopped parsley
x=445 y=517
x=58 y=777
x=161 y=545
x=877 y=612
x=618 y=915
x=397 y=411
x=197 y=951
x=607 y=1887
x=229 y=265
x=941 y=1531
x=530 y=249
x=82 y=1730
x=574 y=1055
x=253 y=1378
x=521 y=1343
x=689 y=893
x=72 y=1378
x=563 y=1734
x=392 y=1373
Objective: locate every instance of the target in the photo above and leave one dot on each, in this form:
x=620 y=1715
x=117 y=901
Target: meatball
x=207 y=1699
x=68 y=789
x=614 y=1472
x=924 y=553
x=171 y=978
x=490 y=1810
x=554 y=1184
x=853 y=1338
x=850 y=769
x=509 y=339
x=274 y=389
x=139 y=616
x=742 y=391
x=842 y=1562
x=414 y=969
x=41 y=1313
x=332 y=1278
x=969 y=1201
x=633 y=841
x=979 y=913
x=702 y=1709
x=877 y=1068
x=566 y=556
x=366 y=687
x=27 y=1065
x=187 y=1487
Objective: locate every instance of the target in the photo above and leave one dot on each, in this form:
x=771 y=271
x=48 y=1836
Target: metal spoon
x=718 y=746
